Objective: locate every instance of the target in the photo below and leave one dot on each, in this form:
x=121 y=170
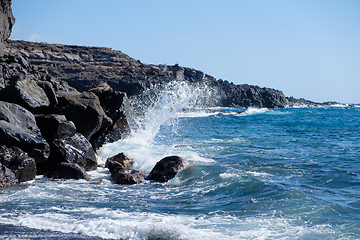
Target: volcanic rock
x=18 y=128
x=121 y=158
x=68 y=171
x=26 y=93
x=54 y=126
x=7 y=19
x=116 y=106
x=23 y=166
x=121 y=173
x=73 y=149
x=7 y=177
x=128 y=176
x=85 y=112
x=166 y=169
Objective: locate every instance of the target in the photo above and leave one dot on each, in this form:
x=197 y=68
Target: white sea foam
x=116 y=224
x=252 y=111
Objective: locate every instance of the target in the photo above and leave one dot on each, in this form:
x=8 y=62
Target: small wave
x=118 y=224
x=252 y=111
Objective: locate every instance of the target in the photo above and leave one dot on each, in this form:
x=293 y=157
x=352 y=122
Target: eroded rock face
x=7 y=19
x=88 y=66
x=166 y=169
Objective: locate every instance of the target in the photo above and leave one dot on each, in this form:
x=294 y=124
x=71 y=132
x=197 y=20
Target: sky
x=306 y=48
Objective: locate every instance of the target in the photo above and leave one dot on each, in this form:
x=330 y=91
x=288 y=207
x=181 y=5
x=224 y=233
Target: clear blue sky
x=306 y=48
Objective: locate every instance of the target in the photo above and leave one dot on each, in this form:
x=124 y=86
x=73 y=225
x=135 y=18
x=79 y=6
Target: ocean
x=291 y=173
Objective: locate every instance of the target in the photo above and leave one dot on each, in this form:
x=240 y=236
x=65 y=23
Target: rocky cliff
x=84 y=67
x=7 y=19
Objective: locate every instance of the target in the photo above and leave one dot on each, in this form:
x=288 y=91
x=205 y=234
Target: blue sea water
x=263 y=174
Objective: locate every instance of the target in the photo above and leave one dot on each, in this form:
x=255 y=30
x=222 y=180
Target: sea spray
x=152 y=109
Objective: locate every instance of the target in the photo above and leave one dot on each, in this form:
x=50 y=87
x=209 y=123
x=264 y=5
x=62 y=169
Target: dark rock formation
x=54 y=126
x=120 y=158
x=121 y=173
x=117 y=107
x=166 y=169
x=7 y=21
x=7 y=177
x=18 y=128
x=26 y=93
x=68 y=171
x=86 y=67
x=74 y=149
x=85 y=111
x=128 y=176
x=23 y=166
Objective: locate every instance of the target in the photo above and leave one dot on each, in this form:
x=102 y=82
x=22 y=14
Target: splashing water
x=154 y=108
x=161 y=103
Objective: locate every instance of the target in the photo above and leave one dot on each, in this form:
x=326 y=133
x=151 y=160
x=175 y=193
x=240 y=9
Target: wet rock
x=24 y=169
x=23 y=166
x=121 y=158
x=34 y=145
x=116 y=106
x=166 y=169
x=65 y=170
x=84 y=110
x=128 y=176
x=18 y=128
x=73 y=149
x=7 y=177
x=121 y=173
x=54 y=126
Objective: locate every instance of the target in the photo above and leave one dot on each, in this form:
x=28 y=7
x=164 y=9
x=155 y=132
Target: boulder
x=54 y=126
x=166 y=169
x=49 y=91
x=7 y=177
x=26 y=93
x=24 y=169
x=34 y=145
x=128 y=176
x=65 y=170
x=85 y=111
x=19 y=116
x=102 y=90
x=121 y=173
x=23 y=166
x=73 y=149
x=18 y=128
x=116 y=105
x=121 y=158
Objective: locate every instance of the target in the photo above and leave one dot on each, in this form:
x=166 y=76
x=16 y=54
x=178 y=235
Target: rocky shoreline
x=60 y=103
